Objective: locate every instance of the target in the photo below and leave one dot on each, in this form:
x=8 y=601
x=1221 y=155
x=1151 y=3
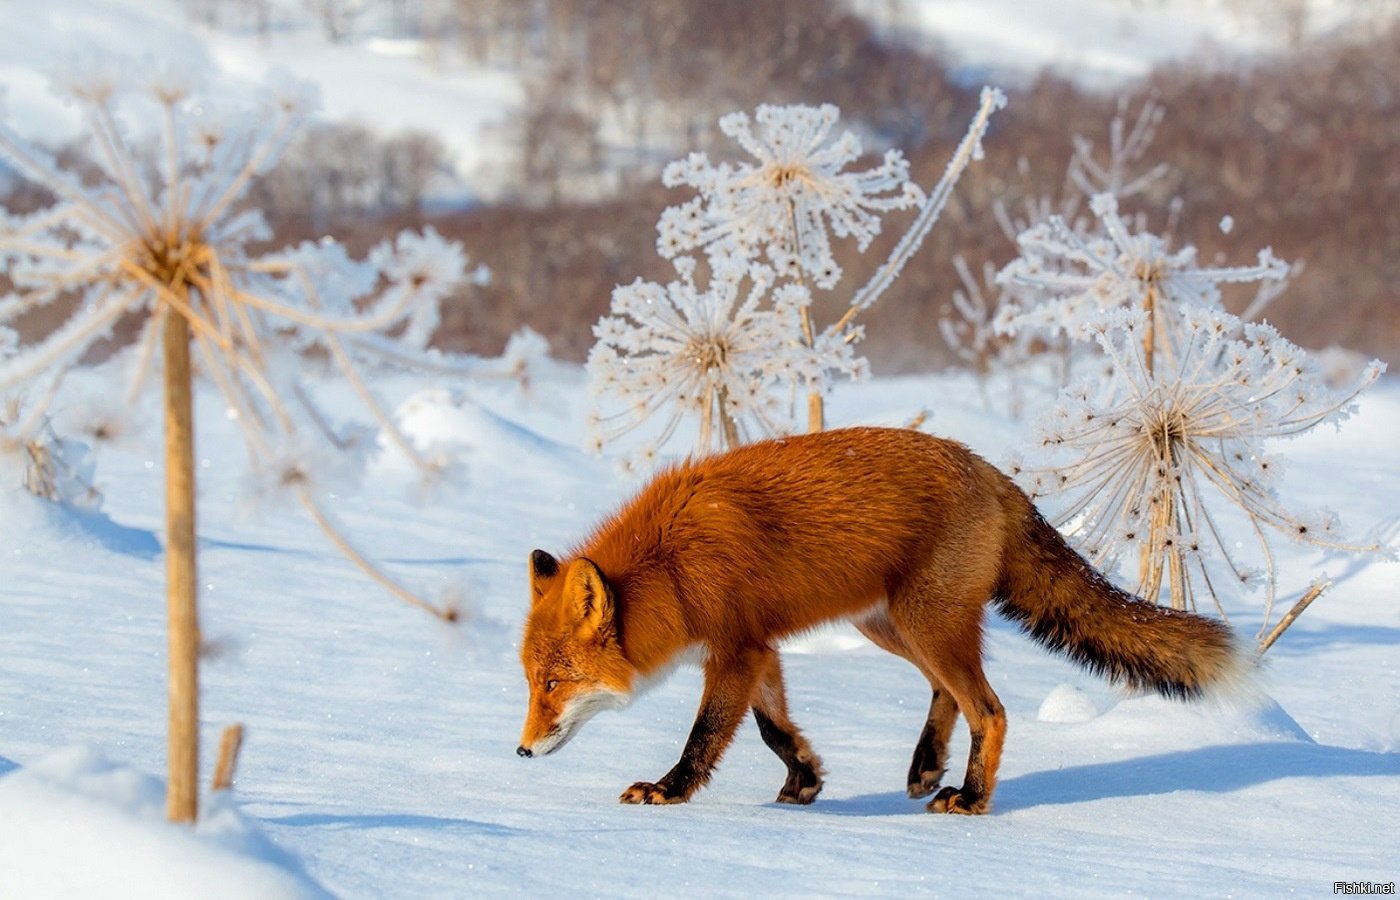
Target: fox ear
x=589 y=595
x=542 y=568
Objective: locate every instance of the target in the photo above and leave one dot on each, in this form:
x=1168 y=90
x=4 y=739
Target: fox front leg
x=730 y=682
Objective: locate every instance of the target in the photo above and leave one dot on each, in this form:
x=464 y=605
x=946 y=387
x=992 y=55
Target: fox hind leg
x=946 y=636
x=931 y=752
x=770 y=711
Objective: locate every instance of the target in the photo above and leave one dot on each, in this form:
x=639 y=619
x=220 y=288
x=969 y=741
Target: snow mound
x=1261 y=720
x=442 y=422
x=34 y=525
x=1067 y=704
x=77 y=825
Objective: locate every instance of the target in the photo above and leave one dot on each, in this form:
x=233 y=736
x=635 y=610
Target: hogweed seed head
x=790 y=200
x=165 y=232
x=1142 y=465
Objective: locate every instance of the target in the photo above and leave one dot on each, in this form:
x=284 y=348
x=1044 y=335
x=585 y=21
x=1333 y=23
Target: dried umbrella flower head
x=780 y=207
x=1067 y=278
x=161 y=233
x=714 y=353
x=1141 y=468
x=787 y=199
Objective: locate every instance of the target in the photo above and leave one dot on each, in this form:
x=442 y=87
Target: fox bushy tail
x=1066 y=605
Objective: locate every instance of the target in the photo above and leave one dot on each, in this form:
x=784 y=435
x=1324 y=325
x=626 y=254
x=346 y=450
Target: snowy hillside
x=380 y=753
x=390 y=85
x=393 y=84
x=1105 y=43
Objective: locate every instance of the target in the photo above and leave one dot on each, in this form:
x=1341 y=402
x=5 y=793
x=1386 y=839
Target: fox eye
x=550 y=685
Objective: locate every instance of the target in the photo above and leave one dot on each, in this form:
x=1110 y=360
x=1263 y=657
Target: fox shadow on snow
x=1219 y=769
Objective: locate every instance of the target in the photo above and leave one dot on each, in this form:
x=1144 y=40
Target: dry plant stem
x=260 y=156
x=26 y=429
x=65 y=188
x=1149 y=331
x=318 y=418
x=386 y=422
x=928 y=214
x=846 y=319
x=707 y=415
x=145 y=355
x=39 y=478
x=1152 y=552
x=181 y=581
x=428 y=363
x=1303 y=603
x=728 y=429
x=371 y=322
x=229 y=745
x=933 y=207
x=816 y=412
x=346 y=548
x=815 y=408
x=90 y=324
x=239 y=400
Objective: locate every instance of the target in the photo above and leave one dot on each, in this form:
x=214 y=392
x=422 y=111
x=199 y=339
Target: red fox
x=906 y=535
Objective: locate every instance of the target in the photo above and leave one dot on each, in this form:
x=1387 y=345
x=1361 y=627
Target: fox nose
x=524 y=751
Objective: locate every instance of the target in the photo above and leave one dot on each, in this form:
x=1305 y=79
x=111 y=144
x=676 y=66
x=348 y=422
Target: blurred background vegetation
x=1300 y=147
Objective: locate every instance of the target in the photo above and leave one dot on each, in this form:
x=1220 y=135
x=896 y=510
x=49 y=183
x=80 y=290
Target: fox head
x=573 y=662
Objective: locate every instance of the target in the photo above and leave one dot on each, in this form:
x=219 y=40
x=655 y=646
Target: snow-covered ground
x=379 y=759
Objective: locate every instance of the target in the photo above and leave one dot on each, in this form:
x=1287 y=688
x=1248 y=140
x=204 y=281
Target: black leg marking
x=729 y=684
x=804 y=780
x=931 y=752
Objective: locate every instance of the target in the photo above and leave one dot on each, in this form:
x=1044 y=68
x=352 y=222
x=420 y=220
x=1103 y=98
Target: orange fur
x=907 y=535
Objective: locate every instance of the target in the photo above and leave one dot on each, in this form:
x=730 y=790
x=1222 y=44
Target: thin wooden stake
x=182 y=798
x=229 y=746
x=1303 y=603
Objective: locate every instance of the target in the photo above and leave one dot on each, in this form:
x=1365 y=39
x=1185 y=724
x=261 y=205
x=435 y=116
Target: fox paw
x=800 y=794
x=924 y=783
x=953 y=800
x=650 y=794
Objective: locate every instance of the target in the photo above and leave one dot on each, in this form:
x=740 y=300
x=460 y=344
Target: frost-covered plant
x=1144 y=459
x=786 y=200
x=1142 y=468
x=1126 y=148
x=969 y=329
x=777 y=212
x=158 y=232
x=161 y=235
x=1072 y=276
x=1041 y=334
x=55 y=468
x=715 y=354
